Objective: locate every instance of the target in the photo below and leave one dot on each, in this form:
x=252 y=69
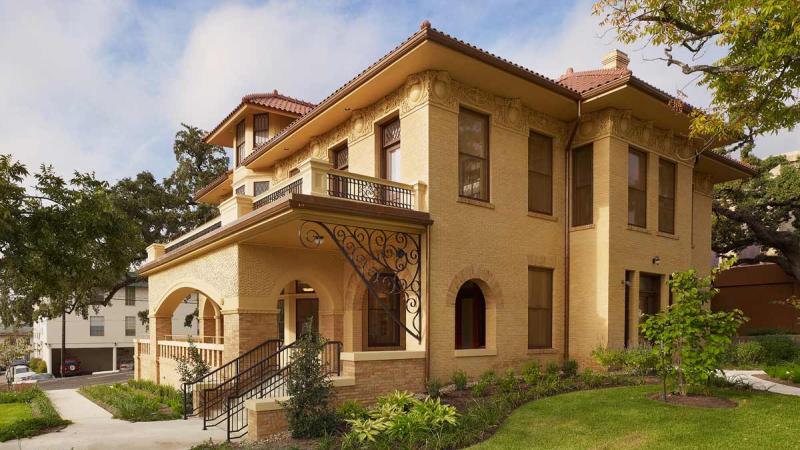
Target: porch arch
x=167 y=304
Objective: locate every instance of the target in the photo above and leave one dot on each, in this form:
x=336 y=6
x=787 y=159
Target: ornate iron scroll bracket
x=374 y=254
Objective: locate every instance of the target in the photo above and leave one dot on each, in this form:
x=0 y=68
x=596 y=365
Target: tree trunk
x=63 y=340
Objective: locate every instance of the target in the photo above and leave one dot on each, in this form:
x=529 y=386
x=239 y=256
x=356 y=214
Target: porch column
x=219 y=327
x=114 y=357
x=160 y=328
x=245 y=329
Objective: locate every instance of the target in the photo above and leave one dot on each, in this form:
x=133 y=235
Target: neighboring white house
x=104 y=340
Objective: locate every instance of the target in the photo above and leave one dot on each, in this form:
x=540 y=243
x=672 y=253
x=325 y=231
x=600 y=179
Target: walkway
x=758 y=383
x=94 y=428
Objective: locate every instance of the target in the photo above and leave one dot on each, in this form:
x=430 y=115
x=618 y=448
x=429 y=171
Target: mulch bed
x=777 y=380
x=696 y=400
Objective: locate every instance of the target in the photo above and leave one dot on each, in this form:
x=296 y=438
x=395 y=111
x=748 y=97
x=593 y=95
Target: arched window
x=382 y=331
x=470 y=317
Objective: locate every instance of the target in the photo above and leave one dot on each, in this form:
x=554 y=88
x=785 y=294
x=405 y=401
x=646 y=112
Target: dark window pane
x=582 y=186
x=382 y=329
x=240 y=190
x=470 y=317
x=259 y=187
x=341 y=158
x=637 y=188
x=540 y=307
x=240 y=141
x=666 y=196
x=540 y=174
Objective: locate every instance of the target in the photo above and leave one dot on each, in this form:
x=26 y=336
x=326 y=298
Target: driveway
x=84 y=380
x=94 y=428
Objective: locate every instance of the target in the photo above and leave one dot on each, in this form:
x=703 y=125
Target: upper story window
x=341 y=157
x=259 y=187
x=130 y=325
x=97 y=326
x=540 y=173
x=294 y=172
x=390 y=150
x=582 y=186
x=637 y=188
x=260 y=129
x=130 y=296
x=473 y=154
x=240 y=190
x=240 y=130
x=666 y=196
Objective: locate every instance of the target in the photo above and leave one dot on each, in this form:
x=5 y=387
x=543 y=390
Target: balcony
x=316 y=178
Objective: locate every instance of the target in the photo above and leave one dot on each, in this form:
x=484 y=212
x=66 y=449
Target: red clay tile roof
x=591 y=79
x=278 y=101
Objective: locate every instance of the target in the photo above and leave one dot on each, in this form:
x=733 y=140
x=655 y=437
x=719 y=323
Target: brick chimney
x=616 y=60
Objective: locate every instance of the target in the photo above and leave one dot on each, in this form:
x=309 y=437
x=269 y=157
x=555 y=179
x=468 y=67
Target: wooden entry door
x=306 y=308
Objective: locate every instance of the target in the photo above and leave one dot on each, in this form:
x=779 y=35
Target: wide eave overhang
x=275 y=224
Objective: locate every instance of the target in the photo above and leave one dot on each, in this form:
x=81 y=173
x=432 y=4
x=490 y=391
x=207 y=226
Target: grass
x=625 y=418
x=137 y=401
x=12 y=412
x=27 y=413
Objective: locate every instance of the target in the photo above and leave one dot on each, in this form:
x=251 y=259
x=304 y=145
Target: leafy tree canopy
x=754 y=83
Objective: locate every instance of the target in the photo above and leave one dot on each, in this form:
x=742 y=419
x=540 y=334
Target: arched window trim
x=478 y=313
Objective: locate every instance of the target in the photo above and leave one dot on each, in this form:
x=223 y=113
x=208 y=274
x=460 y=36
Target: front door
x=306 y=308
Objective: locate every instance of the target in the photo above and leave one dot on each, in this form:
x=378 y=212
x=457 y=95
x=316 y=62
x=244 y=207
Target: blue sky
x=104 y=85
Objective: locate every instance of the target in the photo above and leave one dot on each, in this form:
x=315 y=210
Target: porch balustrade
x=176 y=350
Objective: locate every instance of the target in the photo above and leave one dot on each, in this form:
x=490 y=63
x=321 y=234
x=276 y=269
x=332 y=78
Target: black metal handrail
x=369 y=191
x=226 y=372
x=191 y=238
x=295 y=187
x=267 y=378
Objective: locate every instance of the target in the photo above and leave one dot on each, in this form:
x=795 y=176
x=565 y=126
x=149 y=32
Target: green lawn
x=623 y=418
x=12 y=412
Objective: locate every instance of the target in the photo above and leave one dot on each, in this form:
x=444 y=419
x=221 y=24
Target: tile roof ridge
x=276 y=94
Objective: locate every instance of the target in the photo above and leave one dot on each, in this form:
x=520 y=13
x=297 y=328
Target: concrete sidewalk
x=748 y=377
x=94 y=428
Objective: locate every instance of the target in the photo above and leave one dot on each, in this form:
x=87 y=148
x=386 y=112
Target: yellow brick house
x=445 y=209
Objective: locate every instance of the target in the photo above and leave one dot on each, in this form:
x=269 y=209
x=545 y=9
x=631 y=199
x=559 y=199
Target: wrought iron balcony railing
x=368 y=191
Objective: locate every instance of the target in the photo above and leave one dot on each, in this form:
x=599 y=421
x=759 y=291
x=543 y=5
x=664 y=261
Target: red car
x=72 y=366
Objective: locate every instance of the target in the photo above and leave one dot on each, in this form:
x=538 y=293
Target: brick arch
x=484 y=278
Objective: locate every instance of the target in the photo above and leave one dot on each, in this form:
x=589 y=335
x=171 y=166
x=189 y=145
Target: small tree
x=688 y=337
x=192 y=366
x=13 y=349
x=308 y=409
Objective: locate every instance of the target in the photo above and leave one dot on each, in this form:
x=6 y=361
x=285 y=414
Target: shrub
x=137 y=401
x=768 y=332
x=351 y=409
x=480 y=387
x=611 y=358
x=789 y=372
x=309 y=388
x=490 y=376
x=531 y=372
x=570 y=368
x=640 y=360
x=434 y=387
x=748 y=353
x=590 y=379
x=778 y=349
x=508 y=382
x=460 y=379
x=553 y=368
x=38 y=365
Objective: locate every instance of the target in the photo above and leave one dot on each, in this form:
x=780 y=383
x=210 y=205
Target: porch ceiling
x=278 y=225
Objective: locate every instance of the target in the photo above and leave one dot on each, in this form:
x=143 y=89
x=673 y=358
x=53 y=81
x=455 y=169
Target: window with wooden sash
x=240 y=190
x=649 y=294
x=390 y=150
x=240 y=141
x=341 y=158
x=97 y=326
x=260 y=129
x=666 y=196
x=130 y=296
x=582 y=186
x=473 y=154
x=470 y=317
x=540 y=173
x=637 y=188
x=130 y=325
x=259 y=187
x=540 y=307
x=383 y=332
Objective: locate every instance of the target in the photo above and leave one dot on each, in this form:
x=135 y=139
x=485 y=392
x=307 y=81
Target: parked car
x=71 y=367
x=21 y=373
x=126 y=364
